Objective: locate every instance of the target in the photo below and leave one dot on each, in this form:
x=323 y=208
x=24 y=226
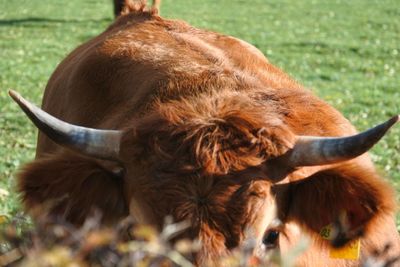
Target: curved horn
x=312 y=151
x=104 y=144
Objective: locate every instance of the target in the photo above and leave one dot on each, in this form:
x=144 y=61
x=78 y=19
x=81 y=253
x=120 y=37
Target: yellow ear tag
x=351 y=251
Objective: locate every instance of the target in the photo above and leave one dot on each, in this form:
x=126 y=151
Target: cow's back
x=141 y=57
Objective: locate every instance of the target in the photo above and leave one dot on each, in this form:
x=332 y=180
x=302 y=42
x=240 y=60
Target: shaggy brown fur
x=73 y=192
x=206 y=117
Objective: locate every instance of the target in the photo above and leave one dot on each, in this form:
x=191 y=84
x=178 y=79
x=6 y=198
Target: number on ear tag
x=351 y=251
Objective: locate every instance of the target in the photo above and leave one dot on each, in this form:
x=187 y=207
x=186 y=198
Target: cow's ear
x=349 y=191
x=72 y=186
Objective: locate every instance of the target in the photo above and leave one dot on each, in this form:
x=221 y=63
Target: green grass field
x=347 y=52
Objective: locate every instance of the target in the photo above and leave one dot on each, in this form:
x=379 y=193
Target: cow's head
x=227 y=163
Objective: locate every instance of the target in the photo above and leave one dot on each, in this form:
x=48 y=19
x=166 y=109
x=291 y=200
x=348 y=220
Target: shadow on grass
x=37 y=21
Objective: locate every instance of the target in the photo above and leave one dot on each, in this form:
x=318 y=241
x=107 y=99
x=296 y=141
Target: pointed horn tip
x=393 y=120
x=22 y=102
x=396 y=118
x=17 y=98
x=14 y=94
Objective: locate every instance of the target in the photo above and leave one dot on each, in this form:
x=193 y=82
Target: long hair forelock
x=215 y=133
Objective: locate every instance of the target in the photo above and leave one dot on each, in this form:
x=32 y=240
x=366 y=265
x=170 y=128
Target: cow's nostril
x=270 y=238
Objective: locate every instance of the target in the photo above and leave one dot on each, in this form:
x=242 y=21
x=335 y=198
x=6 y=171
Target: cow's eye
x=270 y=238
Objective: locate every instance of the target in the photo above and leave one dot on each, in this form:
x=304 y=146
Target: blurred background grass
x=347 y=52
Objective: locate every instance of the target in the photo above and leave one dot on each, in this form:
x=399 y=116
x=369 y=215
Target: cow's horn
x=312 y=151
x=104 y=144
